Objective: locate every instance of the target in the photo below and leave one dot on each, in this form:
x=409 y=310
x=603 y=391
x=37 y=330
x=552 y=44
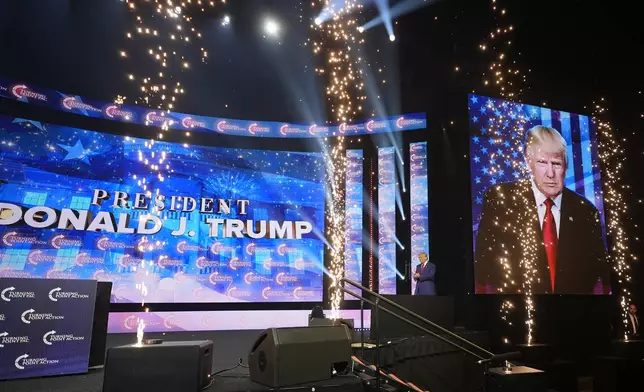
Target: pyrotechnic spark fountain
x=501 y=73
x=167 y=30
x=523 y=227
x=341 y=45
x=507 y=80
x=336 y=220
x=613 y=157
x=139 y=332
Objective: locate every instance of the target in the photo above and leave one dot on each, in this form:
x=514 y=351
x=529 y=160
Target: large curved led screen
x=165 y=222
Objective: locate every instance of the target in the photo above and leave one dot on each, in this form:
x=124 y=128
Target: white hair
x=541 y=134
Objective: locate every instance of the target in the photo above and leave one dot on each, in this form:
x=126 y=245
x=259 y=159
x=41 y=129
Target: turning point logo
x=314 y=130
x=22 y=91
x=22 y=361
x=49 y=338
x=285 y=129
x=283 y=249
x=373 y=125
x=153 y=117
x=252 y=248
x=28 y=316
x=268 y=293
x=6 y=339
x=401 y=122
x=223 y=126
x=56 y=294
x=283 y=277
x=59 y=240
x=254 y=129
x=9 y=293
x=70 y=103
x=203 y=262
x=189 y=122
x=218 y=247
x=114 y=111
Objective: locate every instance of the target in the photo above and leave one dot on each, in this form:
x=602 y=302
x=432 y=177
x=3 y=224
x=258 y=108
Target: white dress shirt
x=540 y=199
x=634 y=324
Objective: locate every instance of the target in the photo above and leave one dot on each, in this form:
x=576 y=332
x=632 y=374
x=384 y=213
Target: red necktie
x=550 y=240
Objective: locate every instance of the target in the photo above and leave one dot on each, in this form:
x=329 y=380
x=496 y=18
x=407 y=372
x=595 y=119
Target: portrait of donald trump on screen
x=566 y=253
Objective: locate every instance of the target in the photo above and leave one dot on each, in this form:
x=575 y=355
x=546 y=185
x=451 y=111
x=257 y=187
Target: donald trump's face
x=548 y=166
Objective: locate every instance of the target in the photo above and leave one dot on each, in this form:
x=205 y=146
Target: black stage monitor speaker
x=167 y=367
x=289 y=356
x=325 y=322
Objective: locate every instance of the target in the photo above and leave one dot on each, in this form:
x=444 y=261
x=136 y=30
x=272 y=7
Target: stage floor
x=229 y=347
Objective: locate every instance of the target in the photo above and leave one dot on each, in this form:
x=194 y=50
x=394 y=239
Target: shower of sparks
x=166 y=29
x=340 y=42
x=164 y=39
x=154 y=158
x=613 y=156
x=139 y=332
x=502 y=72
x=523 y=226
x=503 y=77
x=164 y=44
x=336 y=219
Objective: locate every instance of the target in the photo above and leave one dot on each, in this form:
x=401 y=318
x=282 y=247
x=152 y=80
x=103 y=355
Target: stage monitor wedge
x=167 y=367
x=290 y=356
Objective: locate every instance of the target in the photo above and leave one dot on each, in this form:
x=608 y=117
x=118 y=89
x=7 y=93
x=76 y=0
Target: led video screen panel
x=537 y=205
x=166 y=222
x=386 y=220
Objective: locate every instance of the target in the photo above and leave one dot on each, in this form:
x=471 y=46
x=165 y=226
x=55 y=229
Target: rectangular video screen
x=353 y=211
x=165 y=222
x=419 y=222
x=386 y=220
x=537 y=207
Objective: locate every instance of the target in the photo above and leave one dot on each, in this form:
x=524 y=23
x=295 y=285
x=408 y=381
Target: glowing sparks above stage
x=340 y=42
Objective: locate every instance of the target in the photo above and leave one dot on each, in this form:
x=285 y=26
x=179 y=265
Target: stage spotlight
x=392 y=37
x=225 y=21
x=271 y=27
x=318 y=21
x=361 y=29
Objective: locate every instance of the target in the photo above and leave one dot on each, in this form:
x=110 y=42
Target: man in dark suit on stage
x=424 y=276
x=568 y=252
x=633 y=330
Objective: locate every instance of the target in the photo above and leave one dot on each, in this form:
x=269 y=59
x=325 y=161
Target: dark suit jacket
x=426 y=285
x=581 y=254
x=630 y=330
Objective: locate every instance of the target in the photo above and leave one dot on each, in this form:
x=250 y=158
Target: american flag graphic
x=497 y=129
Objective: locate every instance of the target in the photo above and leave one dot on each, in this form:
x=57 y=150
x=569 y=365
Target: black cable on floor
x=239 y=364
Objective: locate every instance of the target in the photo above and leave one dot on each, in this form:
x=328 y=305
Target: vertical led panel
x=419 y=202
x=353 y=220
x=386 y=220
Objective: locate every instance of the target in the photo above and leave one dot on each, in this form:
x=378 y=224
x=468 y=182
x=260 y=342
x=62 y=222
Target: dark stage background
x=576 y=51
